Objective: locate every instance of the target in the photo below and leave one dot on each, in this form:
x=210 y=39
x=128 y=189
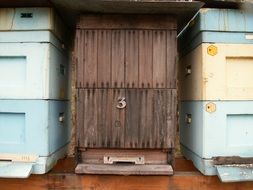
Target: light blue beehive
x=225 y=132
x=34 y=125
x=32 y=66
x=217 y=26
x=33 y=135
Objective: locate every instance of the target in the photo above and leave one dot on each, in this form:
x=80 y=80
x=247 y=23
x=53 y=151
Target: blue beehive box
x=217 y=26
x=217 y=129
x=34 y=134
x=33 y=65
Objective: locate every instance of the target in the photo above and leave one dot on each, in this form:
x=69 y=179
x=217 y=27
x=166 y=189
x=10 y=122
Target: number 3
x=121 y=103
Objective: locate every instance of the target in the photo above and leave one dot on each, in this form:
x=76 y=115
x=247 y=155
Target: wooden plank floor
x=63 y=177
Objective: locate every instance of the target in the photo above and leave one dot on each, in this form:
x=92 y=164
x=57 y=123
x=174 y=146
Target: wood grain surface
x=126 y=58
x=148 y=121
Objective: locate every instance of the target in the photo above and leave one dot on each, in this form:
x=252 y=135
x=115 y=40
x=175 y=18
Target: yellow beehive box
x=217 y=72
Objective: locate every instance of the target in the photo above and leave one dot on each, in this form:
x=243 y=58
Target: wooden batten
x=125 y=170
x=115 y=21
x=152 y=156
x=232 y=160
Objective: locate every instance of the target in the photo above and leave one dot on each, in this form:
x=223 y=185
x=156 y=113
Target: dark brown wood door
x=126 y=80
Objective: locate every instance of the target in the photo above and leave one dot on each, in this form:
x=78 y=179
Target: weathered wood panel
x=131 y=59
x=127 y=22
x=90 y=58
x=132 y=132
x=80 y=118
x=171 y=70
x=126 y=58
x=150 y=118
x=78 y=49
x=87 y=118
x=164 y=118
x=96 y=156
x=146 y=139
x=104 y=59
x=100 y=123
x=171 y=117
x=104 y=118
x=147 y=121
x=118 y=58
x=159 y=59
x=118 y=120
x=145 y=58
x=232 y=160
x=123 y=170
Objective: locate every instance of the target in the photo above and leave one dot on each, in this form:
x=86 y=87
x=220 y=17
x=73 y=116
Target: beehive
x=34 y=131
x=215 y=87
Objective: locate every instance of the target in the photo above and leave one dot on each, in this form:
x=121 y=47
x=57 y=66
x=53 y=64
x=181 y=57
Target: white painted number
x=121 y=103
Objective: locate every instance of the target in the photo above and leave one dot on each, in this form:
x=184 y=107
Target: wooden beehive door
x=126 y=80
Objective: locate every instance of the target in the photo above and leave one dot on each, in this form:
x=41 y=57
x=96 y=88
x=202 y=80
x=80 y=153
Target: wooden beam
x=119 y=21
x=124 y=169
x=231 y=160
x=25 y=3
x=180 y=181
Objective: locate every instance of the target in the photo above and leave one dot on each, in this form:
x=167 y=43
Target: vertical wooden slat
x=104 y=58
x=146 y=118
x=118 y=58
x=118 y=119
x=80 y=118
x=90 y=118
x=131 y=58
x=159 y=59
x=145 y=58
x=171 y=71
x=160 y=122
x=104 y=129
x=78 y=54
x=90 y=59
x=171 y=103
x=132 y=118
x=82 y=57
